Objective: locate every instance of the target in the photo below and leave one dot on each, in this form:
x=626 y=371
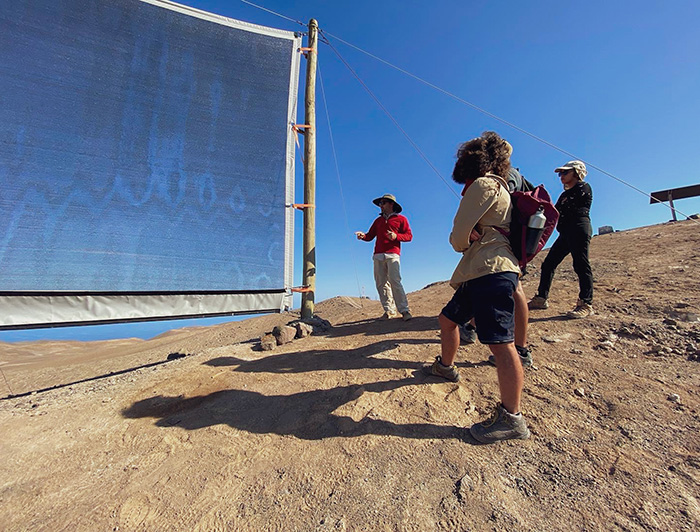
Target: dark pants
x=574 y=240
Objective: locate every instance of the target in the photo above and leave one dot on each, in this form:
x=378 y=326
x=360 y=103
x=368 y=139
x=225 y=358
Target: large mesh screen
x=144 y=150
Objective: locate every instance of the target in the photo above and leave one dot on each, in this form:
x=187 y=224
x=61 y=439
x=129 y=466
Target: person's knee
x=504 y=352
x=446 y=323
x=519 y=295
x=394 y=272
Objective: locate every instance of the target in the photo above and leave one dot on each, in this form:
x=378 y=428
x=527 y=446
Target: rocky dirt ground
x=339 y=431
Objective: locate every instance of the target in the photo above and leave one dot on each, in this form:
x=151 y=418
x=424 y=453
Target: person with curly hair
x=574 y=226
x=467 y=332
x=484 y=281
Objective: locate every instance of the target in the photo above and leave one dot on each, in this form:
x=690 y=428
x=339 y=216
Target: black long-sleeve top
x=574 y=205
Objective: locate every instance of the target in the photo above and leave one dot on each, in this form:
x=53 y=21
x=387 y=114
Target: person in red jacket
x=390 y=229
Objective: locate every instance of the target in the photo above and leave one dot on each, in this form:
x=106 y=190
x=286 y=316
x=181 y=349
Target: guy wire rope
x=337 y=173
x=273 y=12
x=467 y=103
x=501 y=120
x=386 y=111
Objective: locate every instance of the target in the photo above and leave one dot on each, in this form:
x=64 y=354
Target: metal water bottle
x=535 y=228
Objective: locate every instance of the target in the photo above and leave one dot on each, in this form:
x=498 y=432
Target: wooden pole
x=673 y=209
x=309 y=276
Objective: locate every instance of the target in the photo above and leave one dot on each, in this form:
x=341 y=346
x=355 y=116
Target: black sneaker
x=524 y=354
x=502 y=425
x=467 y=334
x=437 y=369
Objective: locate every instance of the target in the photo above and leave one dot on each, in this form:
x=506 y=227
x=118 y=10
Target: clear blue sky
x=615 y=83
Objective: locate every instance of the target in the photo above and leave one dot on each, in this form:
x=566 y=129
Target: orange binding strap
x=301 y=289
x=299 y=127
x=299 y=130
x=302 y=206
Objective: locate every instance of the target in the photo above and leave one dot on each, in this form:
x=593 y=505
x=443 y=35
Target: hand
x=391 y=235
x=360 y=235
x=474 y=236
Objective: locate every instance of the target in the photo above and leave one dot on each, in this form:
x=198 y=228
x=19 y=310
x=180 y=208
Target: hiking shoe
x=436 y=369
x=467 y=333
x=502 y=425
x=405 y=316
x=524 y=354
x=582 y=310
x=538 y=303
x=388 y=315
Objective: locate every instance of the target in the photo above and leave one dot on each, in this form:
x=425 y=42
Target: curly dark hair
x=488 y=153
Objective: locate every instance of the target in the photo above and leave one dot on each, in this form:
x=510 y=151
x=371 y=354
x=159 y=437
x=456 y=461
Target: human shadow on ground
x=305 y=415
x=326 y=359
x=375 y=327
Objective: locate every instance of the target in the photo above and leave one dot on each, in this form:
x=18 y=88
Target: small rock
x=551 y=339
x=580 y=392
x=674 y=398
x=303 y=329
x=319 y=324
x=268 y=342
x=284 y=334
x=464 y=486
x=576 y=351
x=607 y=344
x=669 y=321
x=686 y=316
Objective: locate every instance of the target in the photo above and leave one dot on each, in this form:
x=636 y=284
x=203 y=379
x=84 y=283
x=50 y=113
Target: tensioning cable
x=274 y=13
x=386 y=111
x=337 y=173
x=325 y=39
x=501 y=120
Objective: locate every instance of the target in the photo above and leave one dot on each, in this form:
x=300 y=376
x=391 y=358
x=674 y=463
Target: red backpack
x=533 y=207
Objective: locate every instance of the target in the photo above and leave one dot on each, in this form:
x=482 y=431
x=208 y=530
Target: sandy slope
x=339 y=432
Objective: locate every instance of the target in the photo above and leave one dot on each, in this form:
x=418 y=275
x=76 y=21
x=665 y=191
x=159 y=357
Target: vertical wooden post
x=309 y=274
x=673 y=209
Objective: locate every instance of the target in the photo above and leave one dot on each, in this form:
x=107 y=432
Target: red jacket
x=396 y=223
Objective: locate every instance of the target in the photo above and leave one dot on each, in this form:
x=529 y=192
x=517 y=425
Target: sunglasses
x=382 y=202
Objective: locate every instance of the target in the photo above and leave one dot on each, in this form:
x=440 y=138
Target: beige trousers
x=387 y=276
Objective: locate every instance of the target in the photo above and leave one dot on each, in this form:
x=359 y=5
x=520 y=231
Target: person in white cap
x=390 y=229
x=575 y=232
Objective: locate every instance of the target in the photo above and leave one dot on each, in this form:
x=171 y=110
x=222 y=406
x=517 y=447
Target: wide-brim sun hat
x=397 y=207
x=578 y=166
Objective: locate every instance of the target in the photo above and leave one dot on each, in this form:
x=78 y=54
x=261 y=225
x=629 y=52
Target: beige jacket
x=485 y=206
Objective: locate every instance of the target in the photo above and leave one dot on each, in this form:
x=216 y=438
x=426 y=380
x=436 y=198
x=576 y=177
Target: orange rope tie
x=298 y=128
x=302 y=206
x=302 y=289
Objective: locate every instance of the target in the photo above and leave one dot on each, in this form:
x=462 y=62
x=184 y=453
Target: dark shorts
x=489 y=300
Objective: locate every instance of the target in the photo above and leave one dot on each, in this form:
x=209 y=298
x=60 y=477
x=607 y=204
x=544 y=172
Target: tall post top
x=313 y=23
